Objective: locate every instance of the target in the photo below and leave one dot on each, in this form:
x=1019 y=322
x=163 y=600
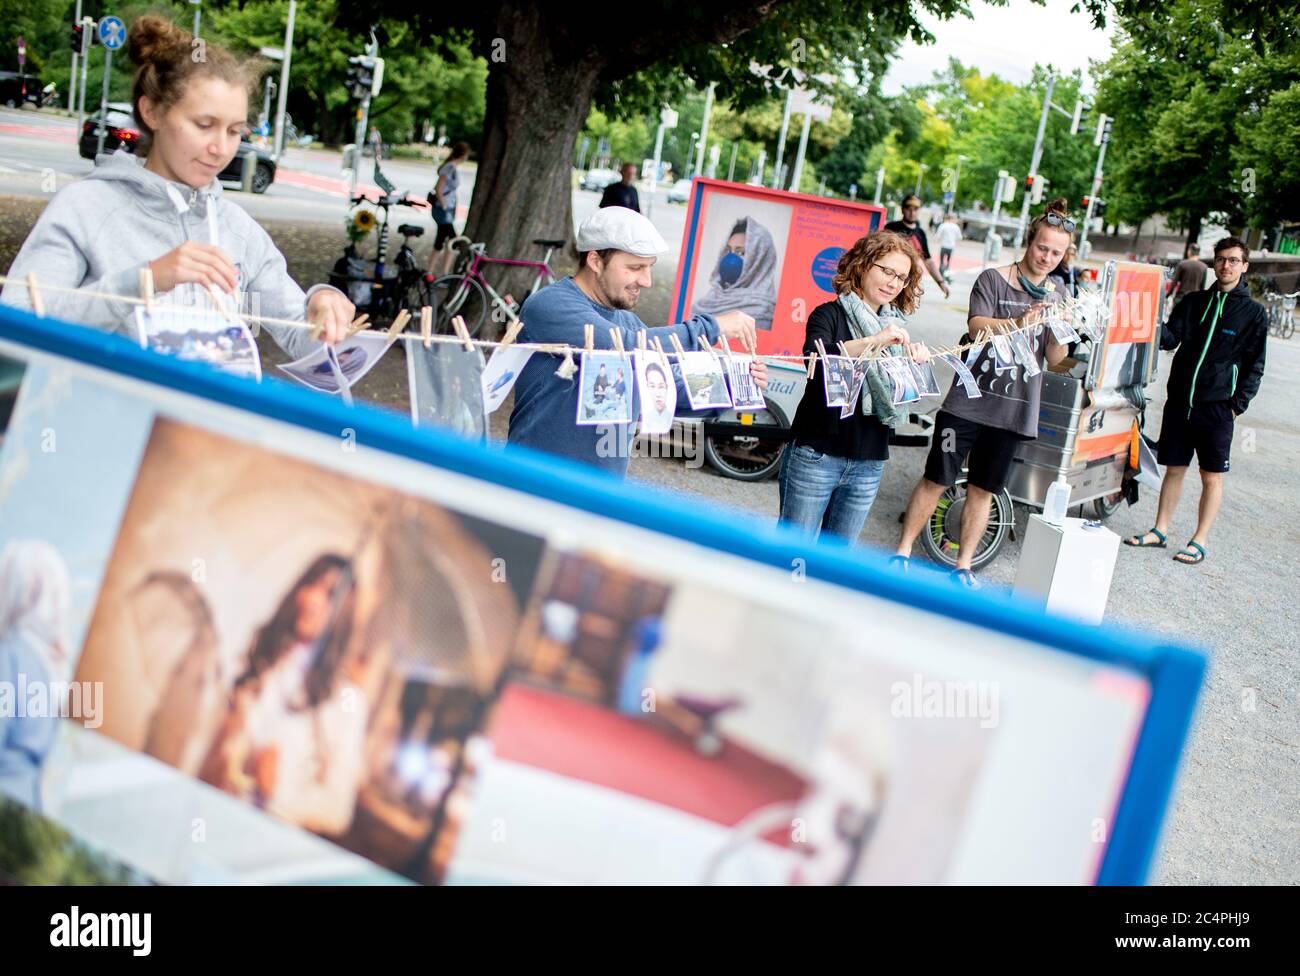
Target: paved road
x=38 y=155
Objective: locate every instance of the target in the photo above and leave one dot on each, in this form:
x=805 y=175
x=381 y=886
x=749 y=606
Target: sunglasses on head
x=1056 y=220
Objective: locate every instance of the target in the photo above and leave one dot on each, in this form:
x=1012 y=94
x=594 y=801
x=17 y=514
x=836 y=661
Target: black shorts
x=1207 y=433
x=990 y=448
x=445 y=233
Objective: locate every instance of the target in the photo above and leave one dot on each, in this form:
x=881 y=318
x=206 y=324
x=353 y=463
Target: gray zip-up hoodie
x=99 y=232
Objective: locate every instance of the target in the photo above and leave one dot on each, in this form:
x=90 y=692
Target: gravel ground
x=1236 y=813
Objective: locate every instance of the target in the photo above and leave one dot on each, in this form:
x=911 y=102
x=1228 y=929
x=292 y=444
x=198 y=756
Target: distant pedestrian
x=443 y=200
x=622 y=193
x=910 y=230
x=949 y=234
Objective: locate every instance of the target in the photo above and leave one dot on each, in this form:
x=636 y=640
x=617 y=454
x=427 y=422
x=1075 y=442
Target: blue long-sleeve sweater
x=546 y=406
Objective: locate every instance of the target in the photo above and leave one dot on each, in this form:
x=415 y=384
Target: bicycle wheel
x=1288 y=329
x=743 y=458
x=1106 y=506
x=417 y=293
x=456 y=294
x=941 y=537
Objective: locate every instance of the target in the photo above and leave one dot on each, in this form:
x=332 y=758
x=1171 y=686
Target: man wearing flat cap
x=617 y=248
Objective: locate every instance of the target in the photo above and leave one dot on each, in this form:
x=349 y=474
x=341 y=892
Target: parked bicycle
x=1281 y=314
x=382 y=291
x=465 y=292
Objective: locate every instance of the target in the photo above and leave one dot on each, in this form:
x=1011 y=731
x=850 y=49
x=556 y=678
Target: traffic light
x=360 y=75
x=1039 y=185
x=1081 y=113
x=1099 y=208
x=1103 y=130
x=1085 y=204
x=77 y=31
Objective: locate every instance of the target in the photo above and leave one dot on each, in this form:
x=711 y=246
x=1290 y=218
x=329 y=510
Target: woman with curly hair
x=831 y=469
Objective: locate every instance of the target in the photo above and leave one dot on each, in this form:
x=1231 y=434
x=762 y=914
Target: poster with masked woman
x=745 y=274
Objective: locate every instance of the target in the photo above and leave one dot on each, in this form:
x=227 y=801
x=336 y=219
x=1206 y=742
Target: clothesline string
x=1006 y=327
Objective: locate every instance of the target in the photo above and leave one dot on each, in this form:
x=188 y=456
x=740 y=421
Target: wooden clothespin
x=617 y=337
x=512 y=333
x=216 y=298
x=726 y=346
x=640 y=340
x=462 y=330
x=34 y=293
x=146 y=287
x=812 y=364
x=704 y=343
x=843 y=351
x=399 y=323
x=359 y=323
x=588 y=339
x=659 y=348
x=821 y=348
x=677 y=346
x=426 y=326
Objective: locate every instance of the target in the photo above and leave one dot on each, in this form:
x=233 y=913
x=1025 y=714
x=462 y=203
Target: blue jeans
x=823 y=492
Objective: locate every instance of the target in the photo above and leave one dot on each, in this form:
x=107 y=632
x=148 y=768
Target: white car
x=680 y=191
x=598 y=179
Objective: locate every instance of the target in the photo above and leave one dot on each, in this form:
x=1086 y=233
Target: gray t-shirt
x=451 y=182
x=1008 y=400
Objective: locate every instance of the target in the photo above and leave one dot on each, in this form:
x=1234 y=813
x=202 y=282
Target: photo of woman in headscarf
x=745 y=275
x=293 y=741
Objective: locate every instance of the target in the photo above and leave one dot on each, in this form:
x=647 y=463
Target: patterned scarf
x=877 y=391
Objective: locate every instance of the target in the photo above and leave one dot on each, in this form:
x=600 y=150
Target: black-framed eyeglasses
x=891 y=274
x=1056 y=220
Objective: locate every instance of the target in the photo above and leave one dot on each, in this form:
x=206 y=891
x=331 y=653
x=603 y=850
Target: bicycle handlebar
x=387 y=200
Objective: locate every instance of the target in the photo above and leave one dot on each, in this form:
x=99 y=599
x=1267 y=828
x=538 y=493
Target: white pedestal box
x=1067 y=568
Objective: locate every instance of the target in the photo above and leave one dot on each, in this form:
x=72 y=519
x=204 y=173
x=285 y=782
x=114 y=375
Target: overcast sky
x=1004 y=41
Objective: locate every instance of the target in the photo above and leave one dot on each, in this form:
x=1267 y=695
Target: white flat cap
x=623 y=230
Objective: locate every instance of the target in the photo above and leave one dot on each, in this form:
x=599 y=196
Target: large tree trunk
x=1193 y=231
x=538 y=98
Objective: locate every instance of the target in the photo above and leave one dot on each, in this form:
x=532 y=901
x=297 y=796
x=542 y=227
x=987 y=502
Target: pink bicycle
x=465 y=292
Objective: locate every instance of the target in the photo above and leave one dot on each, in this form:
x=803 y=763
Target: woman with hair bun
x=991 y=427
x=162 y=208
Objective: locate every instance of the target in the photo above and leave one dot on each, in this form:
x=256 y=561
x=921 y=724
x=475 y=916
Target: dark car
x=12 y=85
x=122 y=133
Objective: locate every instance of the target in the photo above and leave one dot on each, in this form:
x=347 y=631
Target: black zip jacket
x=1220 y=341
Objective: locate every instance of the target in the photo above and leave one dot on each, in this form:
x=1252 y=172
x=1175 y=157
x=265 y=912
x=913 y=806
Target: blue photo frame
x=1174 y=672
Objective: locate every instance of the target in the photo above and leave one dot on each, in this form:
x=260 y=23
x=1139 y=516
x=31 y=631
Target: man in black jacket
x=1220 y=335
x=622 y=193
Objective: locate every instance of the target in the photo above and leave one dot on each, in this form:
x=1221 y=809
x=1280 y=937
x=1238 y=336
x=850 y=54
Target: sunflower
x=364 y=221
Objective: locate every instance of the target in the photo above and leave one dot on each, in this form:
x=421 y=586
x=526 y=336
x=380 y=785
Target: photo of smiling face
x=656 y=387
x=658 y=392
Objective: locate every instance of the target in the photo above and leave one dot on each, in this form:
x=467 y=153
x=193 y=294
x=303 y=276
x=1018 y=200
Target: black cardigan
x=857 y=437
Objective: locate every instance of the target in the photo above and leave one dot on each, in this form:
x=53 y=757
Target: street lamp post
x=920 y=172
x=956 y=181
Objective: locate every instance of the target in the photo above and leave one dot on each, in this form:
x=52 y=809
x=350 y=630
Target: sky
x=1000 y=40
